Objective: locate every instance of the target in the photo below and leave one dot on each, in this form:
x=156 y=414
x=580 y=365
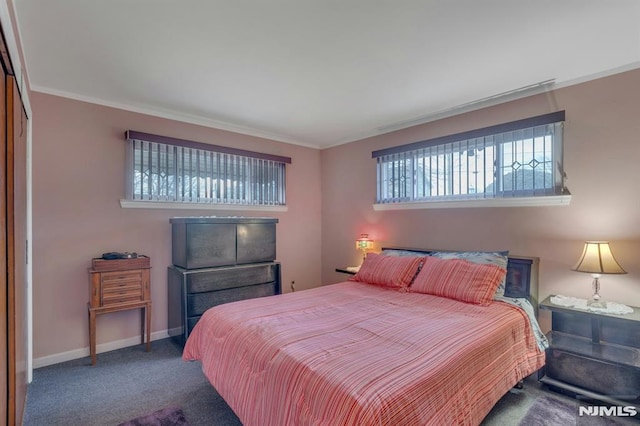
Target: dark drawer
x=603 y=377
x=226 y=278
x=197 y=303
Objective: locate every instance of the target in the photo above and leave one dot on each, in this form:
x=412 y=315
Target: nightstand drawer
x=121 y=287
x=604 y=377
x=116 y=278
x=110 y=288
x=122 y=292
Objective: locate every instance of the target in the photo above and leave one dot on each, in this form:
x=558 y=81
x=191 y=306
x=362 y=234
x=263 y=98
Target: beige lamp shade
x=597 y=258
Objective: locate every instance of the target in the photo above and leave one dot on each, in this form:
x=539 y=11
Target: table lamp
x=597 y=259
x=364 y=243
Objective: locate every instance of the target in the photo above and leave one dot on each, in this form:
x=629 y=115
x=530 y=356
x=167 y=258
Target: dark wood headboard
x=522 y=273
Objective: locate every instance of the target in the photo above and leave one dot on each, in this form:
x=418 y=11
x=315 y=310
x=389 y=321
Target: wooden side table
x=119 y=285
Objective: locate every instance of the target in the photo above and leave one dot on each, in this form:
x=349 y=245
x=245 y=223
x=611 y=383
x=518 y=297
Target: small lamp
x=597 y=259
x=364 y=243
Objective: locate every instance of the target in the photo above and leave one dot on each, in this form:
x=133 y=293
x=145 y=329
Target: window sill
x=129 y=204
x=551 y=200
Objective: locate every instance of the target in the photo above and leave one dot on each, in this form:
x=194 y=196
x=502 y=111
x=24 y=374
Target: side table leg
x=148 y=315
x=92 y=336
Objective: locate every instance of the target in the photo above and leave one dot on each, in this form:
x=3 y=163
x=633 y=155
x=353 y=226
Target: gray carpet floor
x=124 y=384
x=130 y=382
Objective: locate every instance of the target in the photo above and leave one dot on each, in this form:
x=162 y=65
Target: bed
x=403 y=342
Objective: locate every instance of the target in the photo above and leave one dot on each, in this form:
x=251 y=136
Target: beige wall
x=602 y=162
x=78 y=180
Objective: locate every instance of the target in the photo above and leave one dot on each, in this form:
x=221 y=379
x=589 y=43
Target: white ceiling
x=318 y=72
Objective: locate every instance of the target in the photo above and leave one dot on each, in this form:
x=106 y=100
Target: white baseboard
x=103 y=347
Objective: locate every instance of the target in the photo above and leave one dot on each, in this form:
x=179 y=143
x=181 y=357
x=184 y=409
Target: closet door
x=13 y=241
x=16 y=129
x=4 y=342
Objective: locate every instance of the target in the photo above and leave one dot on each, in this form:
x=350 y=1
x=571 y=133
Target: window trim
x=544 y=201
x=142 y=204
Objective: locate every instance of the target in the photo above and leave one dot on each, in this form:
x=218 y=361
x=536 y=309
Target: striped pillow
x=388 y=271
x=495 y=258
x=459 y=279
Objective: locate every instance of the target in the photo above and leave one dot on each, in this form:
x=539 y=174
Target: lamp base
x=597 y=303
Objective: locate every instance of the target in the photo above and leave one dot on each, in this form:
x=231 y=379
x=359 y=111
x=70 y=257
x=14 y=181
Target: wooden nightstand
x=594 y=355
x=119 y=285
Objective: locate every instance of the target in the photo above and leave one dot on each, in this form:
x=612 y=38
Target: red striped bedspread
x=357 y=354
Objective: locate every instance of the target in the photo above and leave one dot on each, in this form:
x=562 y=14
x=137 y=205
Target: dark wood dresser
x=594 y=355
x=218 y=260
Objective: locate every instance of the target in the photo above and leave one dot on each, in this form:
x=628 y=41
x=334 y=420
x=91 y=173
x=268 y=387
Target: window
x=517 y=159
x=163 y=169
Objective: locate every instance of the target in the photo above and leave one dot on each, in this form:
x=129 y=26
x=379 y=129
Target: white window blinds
x=174 y=170
x=517 y=159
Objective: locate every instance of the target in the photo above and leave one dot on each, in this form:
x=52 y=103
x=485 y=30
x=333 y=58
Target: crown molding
x=176 y=116
x=499 y=98
x=522 y=92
